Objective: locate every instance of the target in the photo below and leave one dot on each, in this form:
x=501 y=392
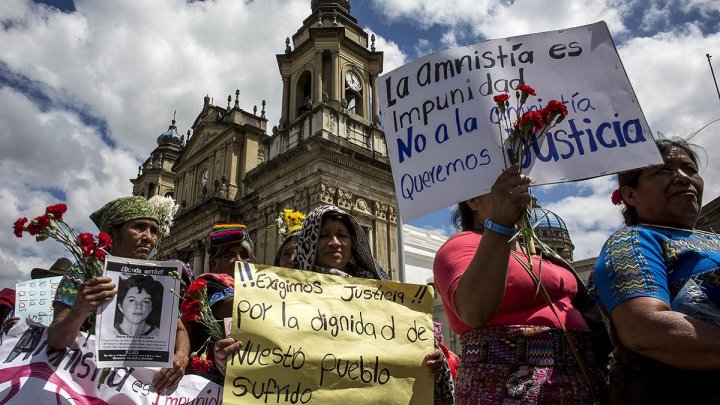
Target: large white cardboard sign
x=442 y=131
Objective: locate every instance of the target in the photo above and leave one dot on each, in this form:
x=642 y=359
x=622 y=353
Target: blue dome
x=547 y=218
x=170 y=136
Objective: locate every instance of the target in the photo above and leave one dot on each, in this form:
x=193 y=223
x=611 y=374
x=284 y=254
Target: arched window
x=303 y=93
x=354 y=102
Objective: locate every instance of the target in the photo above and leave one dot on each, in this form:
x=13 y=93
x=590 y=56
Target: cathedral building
x=326 y=149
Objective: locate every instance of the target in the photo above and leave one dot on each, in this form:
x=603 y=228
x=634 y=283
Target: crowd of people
x=656 y=283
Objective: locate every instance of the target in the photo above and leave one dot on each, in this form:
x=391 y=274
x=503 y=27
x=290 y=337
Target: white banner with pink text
x=31 y=373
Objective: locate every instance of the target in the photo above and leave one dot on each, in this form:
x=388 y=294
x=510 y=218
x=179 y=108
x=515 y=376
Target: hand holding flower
x=510 y=196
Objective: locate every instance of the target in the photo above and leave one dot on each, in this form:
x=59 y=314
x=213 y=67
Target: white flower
x=165 y=208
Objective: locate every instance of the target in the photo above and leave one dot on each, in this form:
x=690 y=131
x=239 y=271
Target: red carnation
x=86 y=243
x=56 y=211
x=557 y=107
x=19 y=226
x=616 y=198
x=99 y=254
x=200 y=365
x=531 y=121
x=195 y=287
x=190 y=309
x=104 y=240
x=526 y=89
x=38 y=224
x=501 y=98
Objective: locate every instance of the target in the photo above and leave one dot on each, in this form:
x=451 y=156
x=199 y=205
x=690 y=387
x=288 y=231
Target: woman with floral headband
x=132 y=225
x=333 y=242
x=659 y=283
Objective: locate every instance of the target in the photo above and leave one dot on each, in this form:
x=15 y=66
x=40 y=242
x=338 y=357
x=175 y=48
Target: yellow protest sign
x=313 y=338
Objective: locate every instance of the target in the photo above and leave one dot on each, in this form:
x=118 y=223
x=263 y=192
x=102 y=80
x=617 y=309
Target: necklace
x=698 y=231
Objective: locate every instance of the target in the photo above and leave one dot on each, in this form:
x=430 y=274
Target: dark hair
x=289 y=238
x=143 y=283
x=462 y=217
x=630 y=178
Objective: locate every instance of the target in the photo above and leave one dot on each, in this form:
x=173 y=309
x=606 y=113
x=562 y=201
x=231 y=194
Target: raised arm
x=481 y=288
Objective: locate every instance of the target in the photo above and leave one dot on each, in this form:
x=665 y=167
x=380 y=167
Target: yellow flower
x=289 y=221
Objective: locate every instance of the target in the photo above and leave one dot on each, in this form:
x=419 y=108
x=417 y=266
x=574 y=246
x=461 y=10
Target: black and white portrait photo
x=132 y=330
x=139 y=306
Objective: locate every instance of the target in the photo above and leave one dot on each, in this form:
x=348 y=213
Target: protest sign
x=312 y=338
x=441 y=125
x=137 y=328
x=33 y=299
x=30 y=373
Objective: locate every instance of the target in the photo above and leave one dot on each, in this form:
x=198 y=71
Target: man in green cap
x=133 y=226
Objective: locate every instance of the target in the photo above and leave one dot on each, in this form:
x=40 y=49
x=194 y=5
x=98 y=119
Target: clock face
x=204 y=178
x=352 y=80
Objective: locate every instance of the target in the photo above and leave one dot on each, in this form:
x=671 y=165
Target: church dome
x=170 y=136
x=551 y=230
x=547 y=218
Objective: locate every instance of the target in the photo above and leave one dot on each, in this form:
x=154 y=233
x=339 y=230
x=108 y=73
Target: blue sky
x=87 y=86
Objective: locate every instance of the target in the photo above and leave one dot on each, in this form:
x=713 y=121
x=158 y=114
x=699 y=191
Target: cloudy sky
x=87 y=86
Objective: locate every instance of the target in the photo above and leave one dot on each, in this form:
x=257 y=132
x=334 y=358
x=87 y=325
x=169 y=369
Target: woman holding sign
x=133 y=226
x=658 y=280
x=513 y=344
x=333 y=242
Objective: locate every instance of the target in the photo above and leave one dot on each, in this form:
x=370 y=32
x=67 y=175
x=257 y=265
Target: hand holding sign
x=317 y=338
x=441 y=120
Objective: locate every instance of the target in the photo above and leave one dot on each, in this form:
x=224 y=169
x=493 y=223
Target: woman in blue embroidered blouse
x=659 y=284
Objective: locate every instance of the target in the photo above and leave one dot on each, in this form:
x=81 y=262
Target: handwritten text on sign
x=33 y=299
x=319 y=339
x=441 y=123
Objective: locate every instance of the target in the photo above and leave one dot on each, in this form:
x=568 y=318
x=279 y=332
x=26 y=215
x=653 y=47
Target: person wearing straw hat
x=57 y=269
x=133 y=226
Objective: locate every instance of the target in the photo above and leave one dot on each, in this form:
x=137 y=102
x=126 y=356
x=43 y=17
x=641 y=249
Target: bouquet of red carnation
x=89 y=251
x=529 y=127
x=195 y=307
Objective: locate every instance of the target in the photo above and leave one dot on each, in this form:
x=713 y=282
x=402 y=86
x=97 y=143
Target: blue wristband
x=497 y=228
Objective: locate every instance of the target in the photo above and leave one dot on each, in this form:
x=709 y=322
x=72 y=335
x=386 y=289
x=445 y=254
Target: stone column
x=285 y=101
x=337 y=79
x=317 y=96
x=198 y=258
x=375 y=107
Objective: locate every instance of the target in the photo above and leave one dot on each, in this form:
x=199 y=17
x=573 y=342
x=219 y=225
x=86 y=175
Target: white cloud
x=126 y=66
x=129 y=65
x=393 y=57
x=668 y=70
x=498 y=18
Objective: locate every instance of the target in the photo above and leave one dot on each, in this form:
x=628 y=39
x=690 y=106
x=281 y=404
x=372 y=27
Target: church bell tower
x=327 y=147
